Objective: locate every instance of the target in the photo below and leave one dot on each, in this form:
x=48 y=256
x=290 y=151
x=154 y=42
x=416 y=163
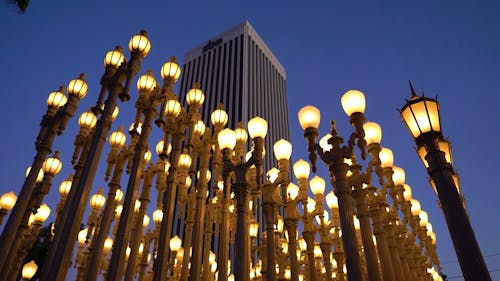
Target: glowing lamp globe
x=172 y=108
x=309 y=117
x=8 y=200
x=195 y=96
x=146 y=82
x=52 y=165
x=257 y=127
x=87 y=120
x=317 y=185
x=373 y=132
x=114 y=58
x=353 y=101
x=171 y=70
x=282 y=149
x=292 y=191
x=29 y=270
x=140 y=43
x=398 y=177
x=226 y=139
x=56 y=99
x=386 y=157
x=175 y=243
x=78 y=87
x=301 y=169
x=219 y=117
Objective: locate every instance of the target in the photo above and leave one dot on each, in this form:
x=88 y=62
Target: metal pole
x=468 y=252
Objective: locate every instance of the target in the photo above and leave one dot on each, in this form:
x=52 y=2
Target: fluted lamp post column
x=309 y=117
x=59 y=109
x=422 y=117
x=257 y=129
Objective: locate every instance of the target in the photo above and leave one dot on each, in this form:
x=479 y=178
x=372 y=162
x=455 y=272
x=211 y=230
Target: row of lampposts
x=207 y=184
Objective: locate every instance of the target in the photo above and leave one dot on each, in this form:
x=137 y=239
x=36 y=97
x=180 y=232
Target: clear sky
x=449 y=49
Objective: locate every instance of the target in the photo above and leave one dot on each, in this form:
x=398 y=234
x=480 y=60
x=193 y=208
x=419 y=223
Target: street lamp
x=422 y=117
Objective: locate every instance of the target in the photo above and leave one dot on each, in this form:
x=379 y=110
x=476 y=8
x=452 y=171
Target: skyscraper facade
x=237 y=69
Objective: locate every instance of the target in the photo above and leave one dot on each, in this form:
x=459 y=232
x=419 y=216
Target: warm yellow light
x=424 y=218
x=29 y=270
x=241 y=135
x=199 y=128
x=39 y=178
x=292 y=191
x=208 y=175
x=254 y=229
x=433 y=238
x=140 y=43
x=257 y=127
x=302 y=244
x=195 y=96
x=42 y=213
x=118 y=195
x=52 y=165
x=160 y=146
x=272 y=174
x=184 y=161
x=398 y=177
x=118 y=211
x=108 y=244
x=357 y=226
x=415 y=207
x=87 y=120
x=147 y=156
x=65 y=187
x=301 y=169
x=8 y=200
x=219 y=117
x=145 y=221
x=172 y=108
x=114 y=58
x=311 y=205
x=407 y=192
x=188 y=182
x=138 y=128
x=97 y=200
x=323 y=143
x=171 y=69
x=226 y=139
x=157 y=216
x=82 y=236
x=309 y=117
x=317 y=185
x=421 y=115
x=332 y=201
x=282 y=149
x=175 y=243
x=386 y=157
x=353 y=101
x=280 y=225
x=117 y=139
x=78 y=87
x=373 y=132
x=56 y=99
x=146 y=82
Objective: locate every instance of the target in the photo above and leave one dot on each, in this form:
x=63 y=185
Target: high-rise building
x=237 y=69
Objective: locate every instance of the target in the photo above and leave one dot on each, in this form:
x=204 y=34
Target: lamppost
x=422 y=117
x=257 y=129
x=309 y=117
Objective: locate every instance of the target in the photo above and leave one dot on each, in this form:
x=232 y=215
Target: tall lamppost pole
x=116 y=81
x=59 y=110
x=353 y=103
x=421 y=116
x=257 y=129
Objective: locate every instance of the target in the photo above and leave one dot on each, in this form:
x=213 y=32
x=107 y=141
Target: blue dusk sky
x=449 y=49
